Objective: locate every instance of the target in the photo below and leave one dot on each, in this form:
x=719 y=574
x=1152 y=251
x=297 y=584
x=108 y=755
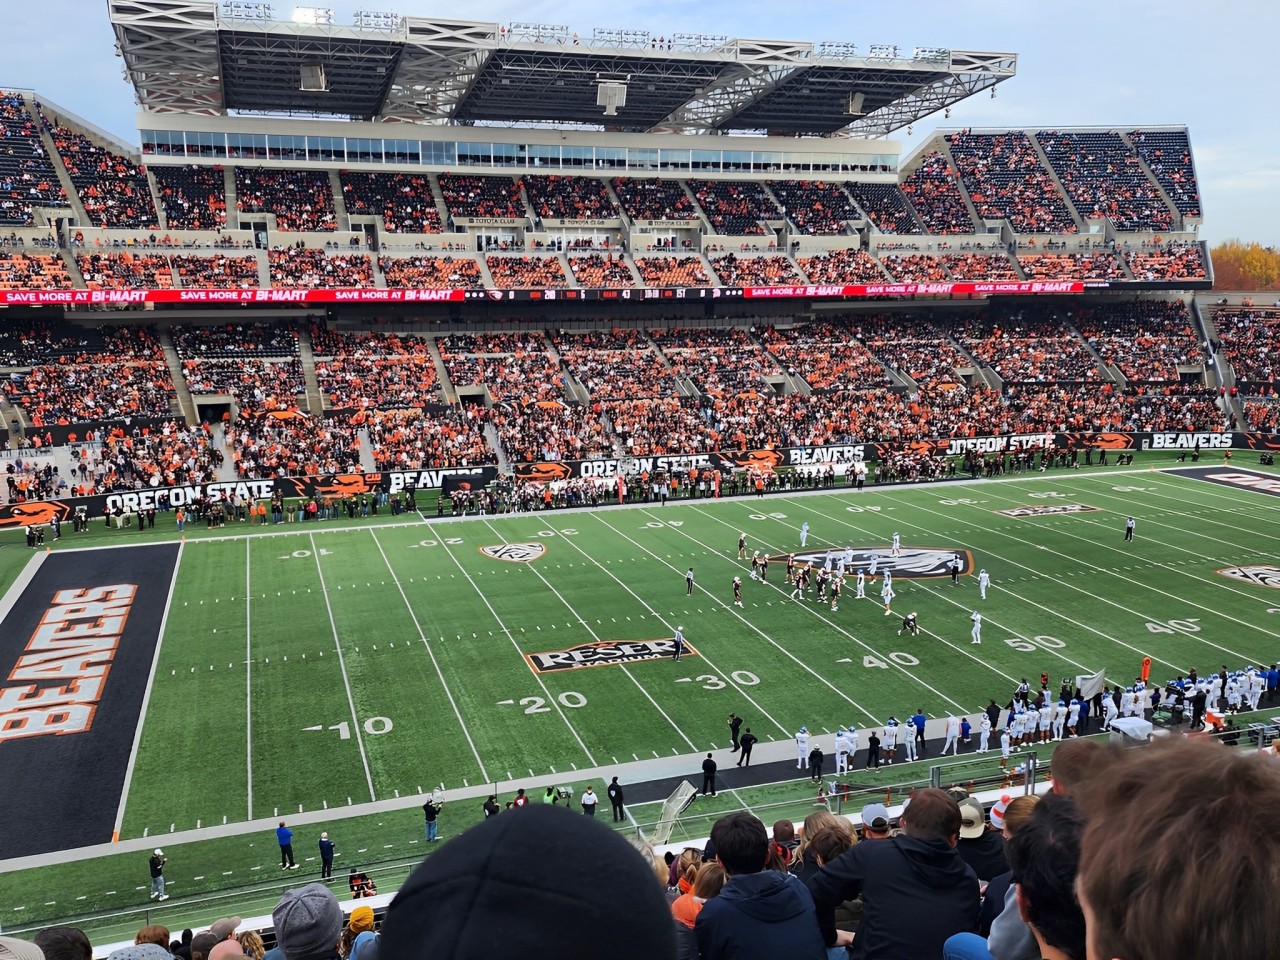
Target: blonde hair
x=251 y=944
x=813 y=824
x=1019 y=812
x=709 y=881
x=656 y=863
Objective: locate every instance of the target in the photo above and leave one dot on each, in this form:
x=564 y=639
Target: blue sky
x=1125 y=63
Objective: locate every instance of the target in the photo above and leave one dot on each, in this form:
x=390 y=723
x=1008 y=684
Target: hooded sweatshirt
x=915 y=893
x=760 y=916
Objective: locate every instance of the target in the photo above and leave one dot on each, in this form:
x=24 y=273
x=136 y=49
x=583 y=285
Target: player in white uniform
x=886 y=594
x=1073 y=717
x=1006 y=744
x=851 y=733
x=1233 y=694
x=1109 y=710
x=909 y=742
x=848 y=556
x=984 y=733
x=976 y=632
x=984 y=581
x=1059 y=719
x=875 y=564
x=802 y=748
x=888 y=578
x=953 y=736
x=1256 y=687
x=842 y=751
x=1046 y=721
x=889 y=740
x=896 y=549
x=862 y=586
x=804 y=534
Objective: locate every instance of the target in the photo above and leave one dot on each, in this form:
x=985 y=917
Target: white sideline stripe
x=20 y=584
x=248 y=688
x=787 y=653
x=346 y=679
x=663 y=620
x=510 y=636
x=395 y=578
x=146 y=694
x=630 y=676
x=835 y=626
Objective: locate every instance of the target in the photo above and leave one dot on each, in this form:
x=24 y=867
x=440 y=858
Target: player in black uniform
x=791 y=567
x=910 y=624
x=755 y=565
x=764 y=568
x=737 y=591
x=836 y=583
x=742 y=546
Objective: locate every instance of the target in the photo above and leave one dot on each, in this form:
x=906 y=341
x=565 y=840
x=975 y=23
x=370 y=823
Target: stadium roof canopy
x=197 y=56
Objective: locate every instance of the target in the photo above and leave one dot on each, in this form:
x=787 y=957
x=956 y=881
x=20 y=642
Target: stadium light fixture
x=883 y=51
x=313 y=16
x=378 y=20
x=242 y=10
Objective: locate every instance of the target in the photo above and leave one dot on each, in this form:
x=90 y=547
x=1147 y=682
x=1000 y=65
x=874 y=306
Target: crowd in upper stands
x=192 y=197
x=113 y=189
x=736 y=208
x=654 y=199
x=378 y=370
x=27 y=178
x=1104 y=178
x=429 y=273
x=306 y=267
x=1006 y=180
x=301 y=200
x=403 y=200
x=934 y=193
x=466 y=195
x=569 y=198
x=816 y=207
x=517 y=272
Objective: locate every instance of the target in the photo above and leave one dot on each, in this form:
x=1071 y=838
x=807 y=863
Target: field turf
x=327 y=666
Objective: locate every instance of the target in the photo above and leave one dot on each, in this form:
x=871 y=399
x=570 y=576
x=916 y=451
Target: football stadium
x=432 y=417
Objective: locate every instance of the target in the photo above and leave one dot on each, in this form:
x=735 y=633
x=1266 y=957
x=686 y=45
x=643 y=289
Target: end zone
x=1233 y=477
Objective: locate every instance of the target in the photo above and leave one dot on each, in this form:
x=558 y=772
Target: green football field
x=325 y=667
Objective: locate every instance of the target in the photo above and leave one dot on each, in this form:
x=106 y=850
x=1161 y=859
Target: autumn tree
x=1245 y=266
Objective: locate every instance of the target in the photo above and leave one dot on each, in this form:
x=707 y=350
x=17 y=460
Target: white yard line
x=595 y=636
x=729 y=609
x=248 y=688
x=831 y=623
x=346 y=679
x=395 y=578
x=555 y=704
x=146 y=698
x=728 y=678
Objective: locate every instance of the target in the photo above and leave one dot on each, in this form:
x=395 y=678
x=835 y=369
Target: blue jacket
x=284 y=835
x=919 y=720
x=760 y=916
x=326 y=850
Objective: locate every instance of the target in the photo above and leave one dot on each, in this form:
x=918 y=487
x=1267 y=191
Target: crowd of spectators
x=842 y=266
x=169 y=455
x=717 y=361
x=1099 y=265
x=466 y=195
x=27 y=178
x=416 y=439
x=1178 y=260
x=26 y=343
x=374 y=370
x=756 y=271
x=551 y=430
x=912 y=346
x=33 y=271
x=650 y=198
x=431 y=273
x=404 y=201
x=113 y=189
x=218 y=272
x=915 y=268
x=293 y=267
x=193 y=197
x=121 y=372
x=512 y=271
x=1027 y=344
x=672 y=272
x=569 y=198
x=616 y=365
x=885 y=206
x=602 y=270
x=256 y=385
x=1104 y=178
x=1263 y=413
x=301 y=200
x=230 y=341
x=514 y=367
x=816 y=207
x=1250 y=338
x=736 y=207
x=980 y=266
x=1147 y=339
x=1007 y=181
x=934 y=193
x=125 y=271
x=827 y=355
x=1168 y=155
x=288 y=443
x=654 y=426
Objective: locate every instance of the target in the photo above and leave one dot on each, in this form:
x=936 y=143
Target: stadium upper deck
x=552 y=196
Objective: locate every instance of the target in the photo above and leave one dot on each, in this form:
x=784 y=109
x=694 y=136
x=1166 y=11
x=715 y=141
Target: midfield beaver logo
x=36 y=512
x=543 y=471
x=766 y=460
x=347 y=484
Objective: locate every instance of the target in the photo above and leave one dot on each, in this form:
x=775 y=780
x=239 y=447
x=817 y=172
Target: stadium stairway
x=64 y=178
x=186 y=405
x=442 y=372
x=1076 y=216
x=1178 y=222
x=940 y=145
x=233 y=219
x=307 y=356
x=441 y=208
x=1108 y=370
x=491 y=435
x=226 y=472
x=340 y=206
x=1220 y=373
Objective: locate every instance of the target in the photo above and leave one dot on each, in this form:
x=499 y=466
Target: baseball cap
x=972 y=819
x=225 y=927
x=875 y=816
x=308 y=922
x=13 y=949
x=158 y=852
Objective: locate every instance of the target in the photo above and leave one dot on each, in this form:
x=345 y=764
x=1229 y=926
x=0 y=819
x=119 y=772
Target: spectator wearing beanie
x=485 y=895
x=141 y=951
x=308 y=923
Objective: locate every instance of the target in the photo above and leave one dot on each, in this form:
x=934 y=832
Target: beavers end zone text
x=606 y=653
